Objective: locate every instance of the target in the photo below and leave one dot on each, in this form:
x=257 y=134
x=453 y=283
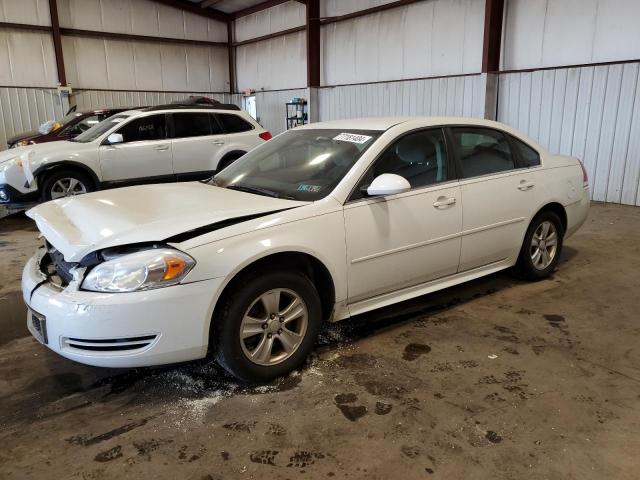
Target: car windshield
x=100 y=129
x=303 y=164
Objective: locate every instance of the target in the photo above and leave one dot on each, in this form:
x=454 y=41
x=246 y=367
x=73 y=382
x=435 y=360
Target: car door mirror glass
x=115 y=138
x=388 y=184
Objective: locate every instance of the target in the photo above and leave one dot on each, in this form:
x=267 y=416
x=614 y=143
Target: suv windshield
x=302 y=164
x=99 y=129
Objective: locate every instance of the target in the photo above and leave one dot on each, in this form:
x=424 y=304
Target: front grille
x=109 y=344
x=54 y=264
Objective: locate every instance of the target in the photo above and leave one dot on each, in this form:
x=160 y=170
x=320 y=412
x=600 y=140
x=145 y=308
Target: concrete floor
x=494 y=379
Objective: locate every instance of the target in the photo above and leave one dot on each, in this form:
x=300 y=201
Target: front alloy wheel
x=273 y=327
x=67 y=187
x=266 y=325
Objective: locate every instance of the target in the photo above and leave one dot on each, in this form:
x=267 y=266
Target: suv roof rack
x=195 y=102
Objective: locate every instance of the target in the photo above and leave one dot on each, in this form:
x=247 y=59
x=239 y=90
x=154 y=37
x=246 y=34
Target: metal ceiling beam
x=195 y=9
x=313 y=43
x=368 y=11
x=493 y=13
x=74 y=32
x=257 y=8
x=57 y=42
x=209 y=3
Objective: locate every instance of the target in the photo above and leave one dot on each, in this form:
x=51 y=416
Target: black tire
x=225 y=162
x=225 y=329
x=525 y=267
x=49 y=180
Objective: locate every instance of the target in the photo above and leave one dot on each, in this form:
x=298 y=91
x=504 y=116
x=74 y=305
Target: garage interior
x=496 y=378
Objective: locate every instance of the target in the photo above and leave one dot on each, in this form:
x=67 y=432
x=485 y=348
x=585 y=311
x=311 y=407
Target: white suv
x=165 y=143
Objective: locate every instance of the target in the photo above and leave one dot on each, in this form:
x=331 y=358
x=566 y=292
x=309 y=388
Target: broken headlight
x=143 y=270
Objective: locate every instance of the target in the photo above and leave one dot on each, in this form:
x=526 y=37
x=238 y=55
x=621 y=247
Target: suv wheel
x=268 y=326
x=542 y=245
x=65 y=183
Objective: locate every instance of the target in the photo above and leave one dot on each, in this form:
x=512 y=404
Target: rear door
x=143 y=156
x=498 y=196
x=242 y=136
x=197 y=141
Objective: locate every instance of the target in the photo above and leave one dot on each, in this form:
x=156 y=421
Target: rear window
x=233 y=123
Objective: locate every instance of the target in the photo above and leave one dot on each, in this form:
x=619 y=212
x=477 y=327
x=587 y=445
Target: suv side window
x=152 y=127
x=233 y=123
x=191 y=124
x=482 y=151
x=528 y=156
x=420 y=157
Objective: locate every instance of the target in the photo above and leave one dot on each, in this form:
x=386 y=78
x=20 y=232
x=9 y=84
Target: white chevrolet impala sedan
x=319 y=224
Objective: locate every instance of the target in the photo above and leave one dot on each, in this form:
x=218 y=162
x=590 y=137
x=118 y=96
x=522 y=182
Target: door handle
x=218 y=142
x=162 y=148
x=524 y=185
x=444 y=202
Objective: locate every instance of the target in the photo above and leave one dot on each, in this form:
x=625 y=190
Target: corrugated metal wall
x=592 y=113
x=23 y=109
x=270 y=108
x=550 y=33
x=452 y=96
x=425 y=39
x=276 y=19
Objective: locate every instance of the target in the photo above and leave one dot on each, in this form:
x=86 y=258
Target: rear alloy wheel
x=65 y=183
x=542 y=245
x=267 y=326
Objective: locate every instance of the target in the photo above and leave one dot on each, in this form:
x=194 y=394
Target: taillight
x=585 y=177
x=265 y=136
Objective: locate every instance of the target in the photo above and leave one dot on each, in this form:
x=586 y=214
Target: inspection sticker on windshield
x=352 y=137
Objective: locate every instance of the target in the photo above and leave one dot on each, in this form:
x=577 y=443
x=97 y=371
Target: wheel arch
x=43 y=170
x=556 y=208
x=290 y=260
x=230 y=155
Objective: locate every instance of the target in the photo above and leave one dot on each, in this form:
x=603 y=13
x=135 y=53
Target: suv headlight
x=142 y=270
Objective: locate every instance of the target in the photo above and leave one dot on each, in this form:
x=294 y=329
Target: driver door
x=406 y=239
x=144 y=156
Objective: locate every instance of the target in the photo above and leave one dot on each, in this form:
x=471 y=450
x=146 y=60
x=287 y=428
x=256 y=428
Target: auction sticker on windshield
x=352 y=137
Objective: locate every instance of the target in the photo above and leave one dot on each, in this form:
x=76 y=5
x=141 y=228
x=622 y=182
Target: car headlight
x=142 y=270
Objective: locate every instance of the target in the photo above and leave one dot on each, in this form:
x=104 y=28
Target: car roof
x=385 y=123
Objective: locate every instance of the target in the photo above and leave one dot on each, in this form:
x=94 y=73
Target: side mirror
x=115 y=138
x=388 y=184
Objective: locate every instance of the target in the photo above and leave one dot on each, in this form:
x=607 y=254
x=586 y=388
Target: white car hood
x=80 y=225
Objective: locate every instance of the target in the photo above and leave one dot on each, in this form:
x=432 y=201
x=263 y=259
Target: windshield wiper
x=258 y=191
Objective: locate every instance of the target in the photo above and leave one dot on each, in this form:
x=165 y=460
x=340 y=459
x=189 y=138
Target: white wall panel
x=31 y=12
x=334 y=8
x=24 y=109
x=277 y=63
x=121 y=65
x=27 y=59
x=88 y=99
x=282 y=17
x=270 y=107
x=139 y=17
x=544 y=33
x=431 y=38
x=592 y=113
x=452 y=96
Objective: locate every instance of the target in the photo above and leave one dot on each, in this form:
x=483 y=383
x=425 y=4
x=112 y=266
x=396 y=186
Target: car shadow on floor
x=203 y=378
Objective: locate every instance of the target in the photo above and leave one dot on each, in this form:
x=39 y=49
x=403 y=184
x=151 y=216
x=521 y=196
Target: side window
x=420 y=157
x=191 y=124
x=233 y=123
x=482 y=151
x=216 y=127
x=529 y=157
x=152 y=127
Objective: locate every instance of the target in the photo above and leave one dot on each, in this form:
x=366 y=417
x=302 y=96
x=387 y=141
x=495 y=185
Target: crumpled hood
x=80 y=225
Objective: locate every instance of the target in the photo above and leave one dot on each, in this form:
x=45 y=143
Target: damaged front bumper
x=136 y=329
